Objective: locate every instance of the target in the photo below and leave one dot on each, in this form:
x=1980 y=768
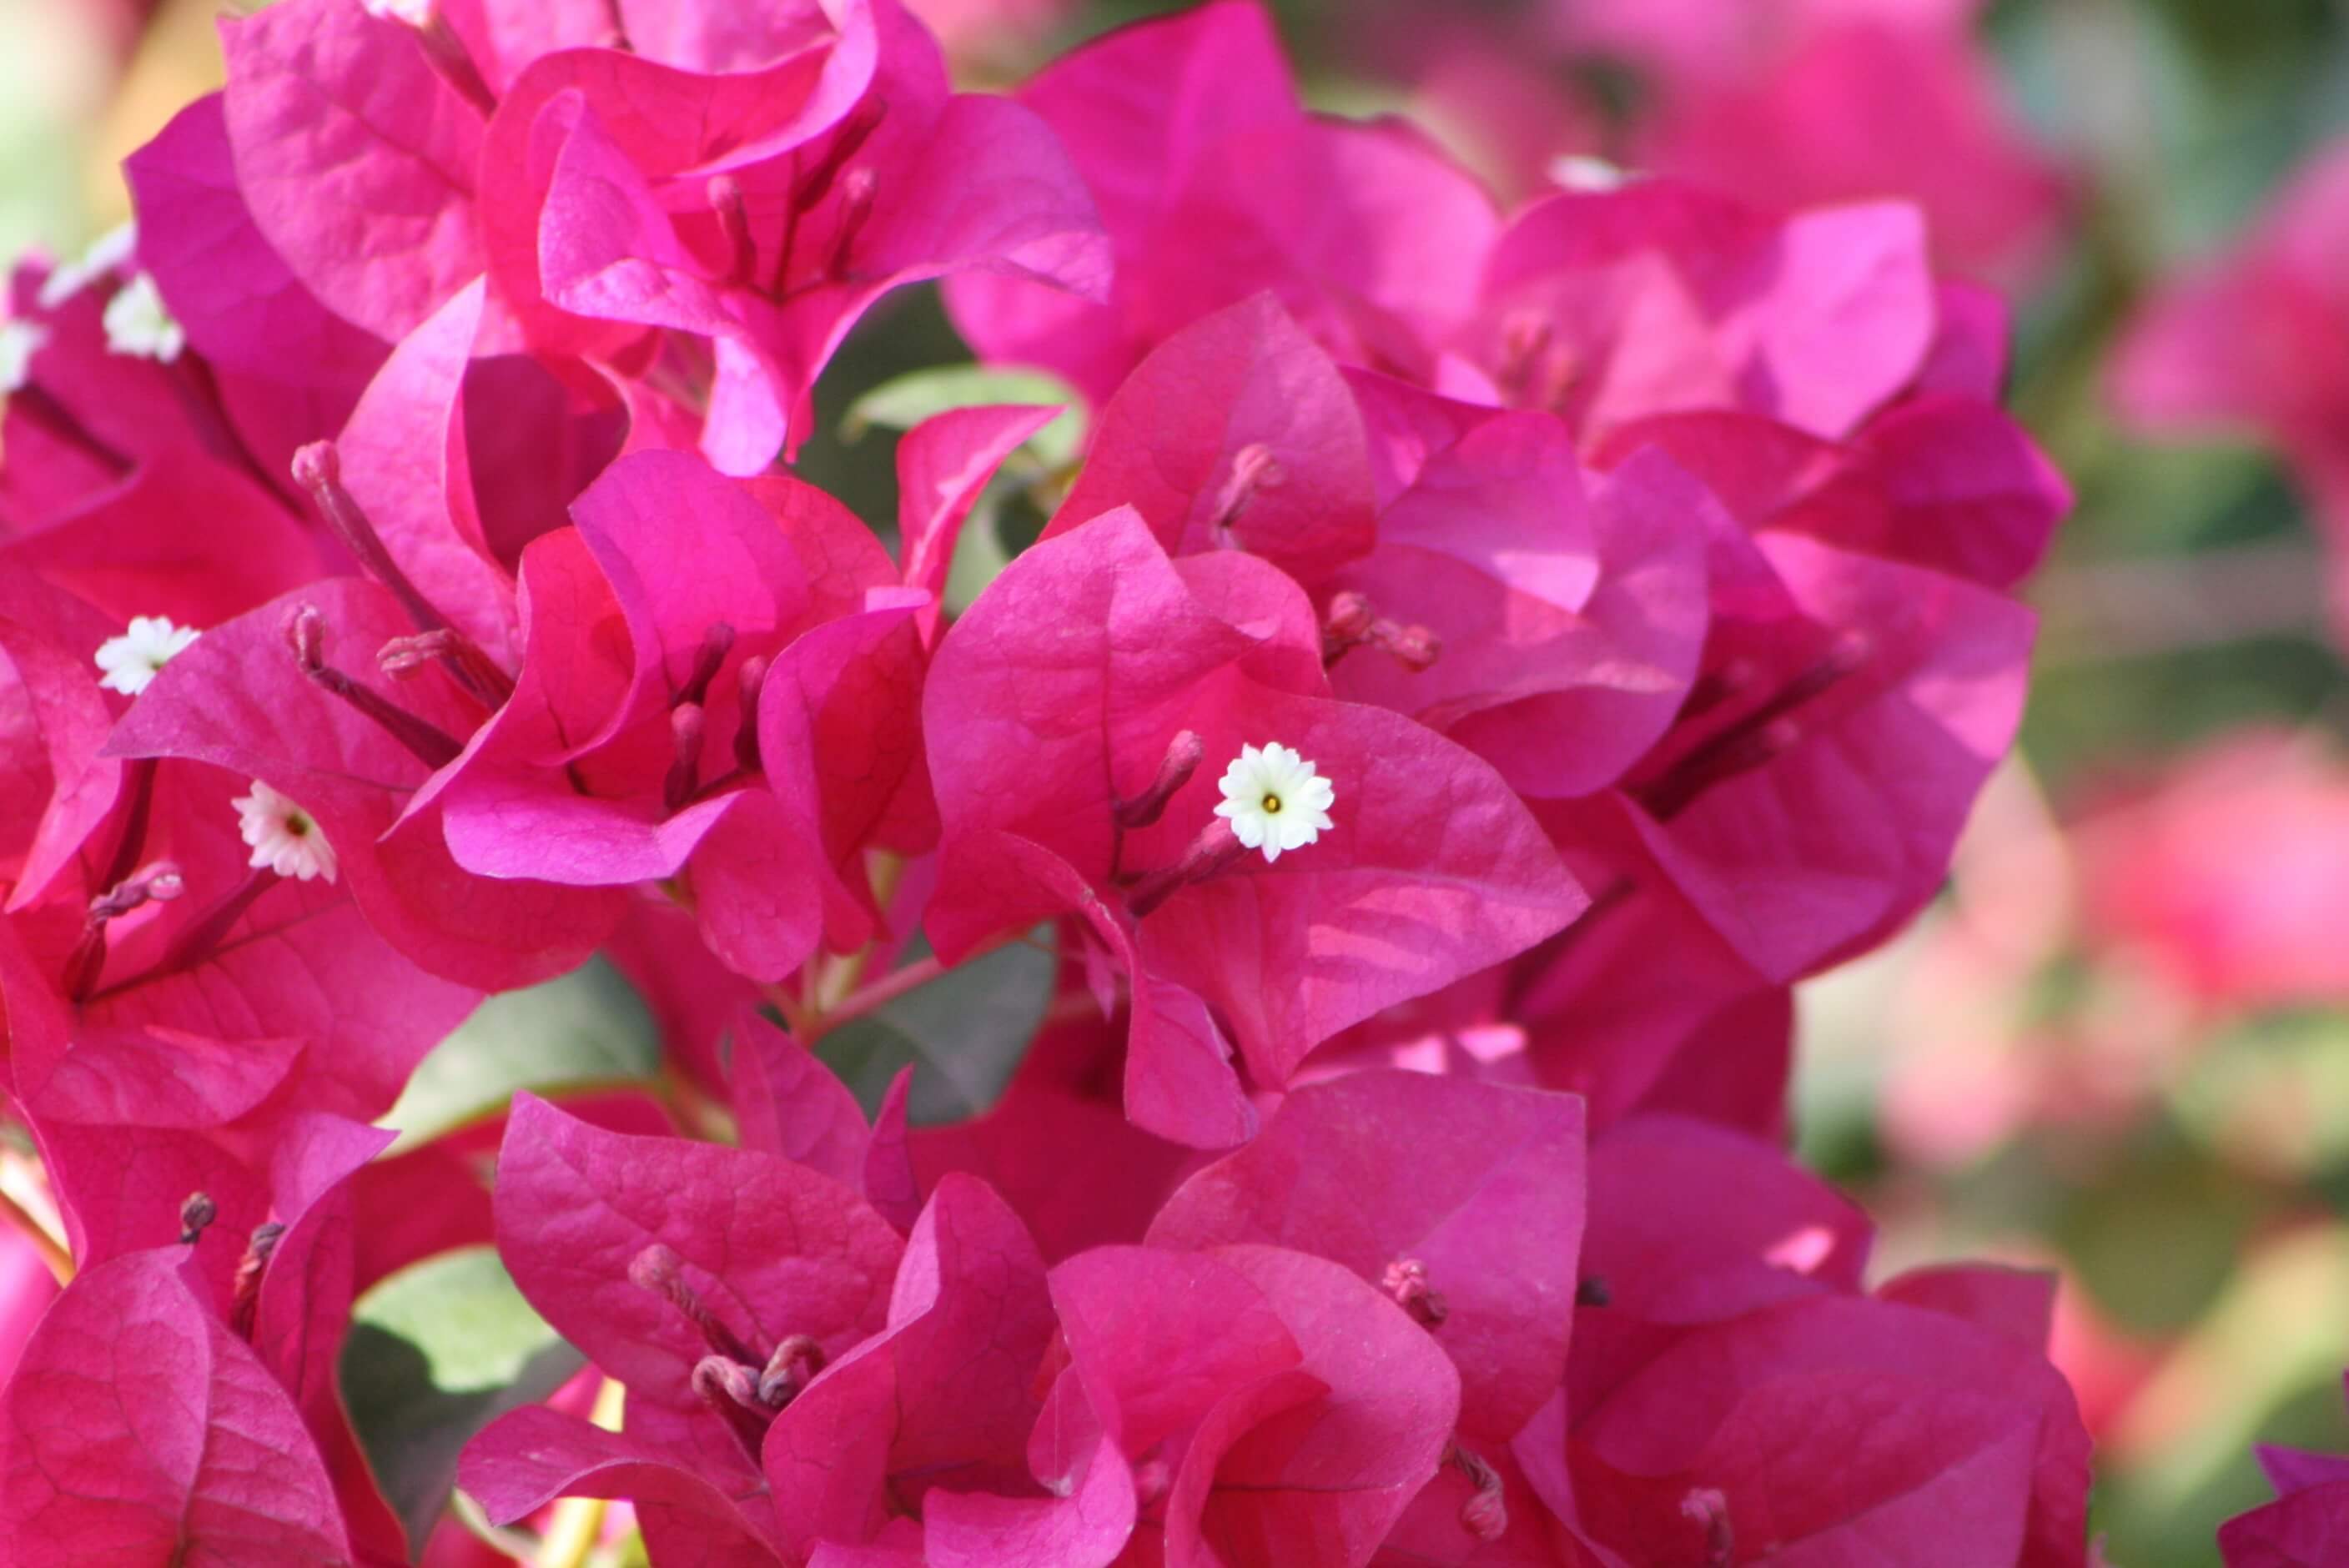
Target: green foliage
x=905 y=401
x=436 y=1353
x=963 y=1033
x=588 y=1029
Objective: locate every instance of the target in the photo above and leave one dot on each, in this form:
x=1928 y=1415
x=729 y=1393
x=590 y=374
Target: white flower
x=138 y=323
x=414 y=13
x=106 y=252
x=1580 y=171
x=19 y=341
x=1276 y=799
x=131 y=659
x=285 y=837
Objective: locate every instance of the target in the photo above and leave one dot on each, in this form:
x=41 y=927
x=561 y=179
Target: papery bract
x=1847 y=1424
x=1306 y=1409
x=1213 y=184
x=776 y=1249
x=943 y=1398
x=101 y=1457
x=1475 y=1185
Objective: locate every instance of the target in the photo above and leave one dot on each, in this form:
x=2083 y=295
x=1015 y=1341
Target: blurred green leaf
x=587 y=1029
x=904 y=402
x=963 y=1033
x=2153 y=1230
x=2272 y=1096
x=436 y=1353
x=980 y=555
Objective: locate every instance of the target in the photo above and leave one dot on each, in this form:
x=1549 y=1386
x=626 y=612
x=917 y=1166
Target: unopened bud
x=858 y=190
x=197 y=1211
x=796 y=1360
x=305 y=635
x=1153 y=1478
x=1349 y=617
x=319 y=468
x=1708 y=1507
x=725 y=194
x=1253 y=469
x=306 y=638
x=688 y=728
x=716 y=643
x=159 y=883
x=1174 y=771
x=403 y=657
x=718 y=1380
x=1485 y=1515
x=661 y=1270
x=244 y=1291
x=1215 y=849
x=750 y=680
x=1414 y=647
x=1406 y=1281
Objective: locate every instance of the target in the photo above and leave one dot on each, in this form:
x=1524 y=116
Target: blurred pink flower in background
x=984 y=33
x=2178 y=903
x=2230 y=875
x=2256 y=342
x=1788 y=103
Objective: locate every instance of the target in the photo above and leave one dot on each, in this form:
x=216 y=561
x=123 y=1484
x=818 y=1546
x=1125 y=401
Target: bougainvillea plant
x=1251 y=1031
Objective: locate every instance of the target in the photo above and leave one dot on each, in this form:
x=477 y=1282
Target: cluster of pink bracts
x=1633 y=572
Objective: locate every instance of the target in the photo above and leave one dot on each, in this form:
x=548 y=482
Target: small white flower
x=138 y=323
x=105 y=253
x=1580 y=171
x=285 y=837
x=413 y=13
x=1276 y=799
x=131 y=660
x=19 y=341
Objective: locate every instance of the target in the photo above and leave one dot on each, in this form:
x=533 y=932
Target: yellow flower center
x=1272 y=803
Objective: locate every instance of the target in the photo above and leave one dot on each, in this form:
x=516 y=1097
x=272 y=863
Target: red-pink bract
x=210 y=1460
x=1213 y=184
x=1478 y=1185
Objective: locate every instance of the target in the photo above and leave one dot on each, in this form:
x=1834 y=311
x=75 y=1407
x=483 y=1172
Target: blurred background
x=2119 y=1046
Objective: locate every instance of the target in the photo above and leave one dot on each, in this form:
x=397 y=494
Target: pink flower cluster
x=1625 y=583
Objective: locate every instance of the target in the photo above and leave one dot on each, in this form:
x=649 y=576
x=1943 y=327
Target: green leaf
x=904 y=402
x=980 y=556
x=588 y=1029
x=964 y=1034
x=436 y=1353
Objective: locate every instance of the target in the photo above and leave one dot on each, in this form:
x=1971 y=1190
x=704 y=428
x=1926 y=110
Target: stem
x=795 y=1018
x=879 y=993
x=838 y=978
